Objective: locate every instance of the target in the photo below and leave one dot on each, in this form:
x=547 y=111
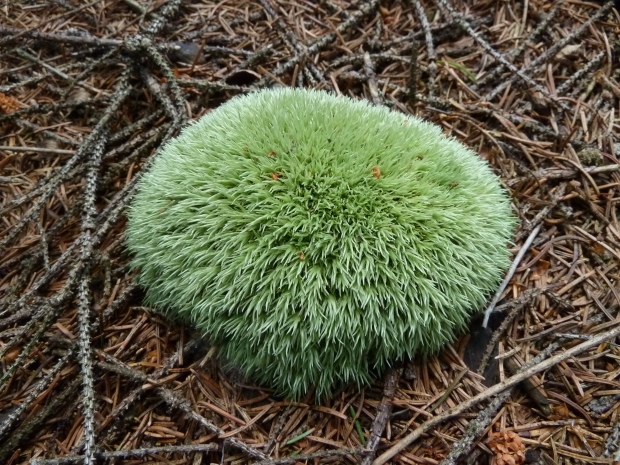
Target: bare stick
x=524 y=45
x=582 y=72
x=383 y=414
x=430 y=49
x=612 y=445
x=84 y=294
x=292 y=42
x=16 y=36
x=17 y=414
x=414 y=72
x=134 y=395
x=35 y=424
x=137 y=8
x=517 y=305
x=36 y=149
x=158 y=93
x=555 y=48
x=511 y=272
x=167 y=12
x=492 y=391
x=174 y=399
x=57 y=72
x=556 y=195
x=476 y=427
x=185 y=449
x=49 y=185
x=369 y=70
x=366 y=8
x=498 y=56
x=316 y=455
x=149 y=47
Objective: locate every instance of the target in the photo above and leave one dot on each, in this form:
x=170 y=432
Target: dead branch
x=477 y=426
x=496 y=389
x=383 y=414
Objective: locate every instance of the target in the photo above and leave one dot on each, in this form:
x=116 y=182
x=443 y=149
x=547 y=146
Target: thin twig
x=174 y=399
x=369 y=70
x=494 y=390
x=124 y=454
x=36 y=149
x=550 y=52
x=514 y=308
x=383 y=414
x=315 y=455
x=528 y=42
x=477 y=426
x=510 y=273
x=430 y=48
x=460 y=20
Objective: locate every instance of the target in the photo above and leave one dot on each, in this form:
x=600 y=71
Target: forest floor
x=90 y=90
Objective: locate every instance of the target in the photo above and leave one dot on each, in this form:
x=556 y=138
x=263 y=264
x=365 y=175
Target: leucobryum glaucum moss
x=316 y=239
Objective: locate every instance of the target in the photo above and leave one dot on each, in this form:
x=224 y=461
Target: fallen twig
x=383 y=414
x=496 y=389
x=123 y=454
x=477 y=426
x=510 y=273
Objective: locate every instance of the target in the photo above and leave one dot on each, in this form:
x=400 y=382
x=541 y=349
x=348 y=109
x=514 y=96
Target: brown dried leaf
x=541 y=269
x=8 y=104
x=507 y=447
x=560 y=412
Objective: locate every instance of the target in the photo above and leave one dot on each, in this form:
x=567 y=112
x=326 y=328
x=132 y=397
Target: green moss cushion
x=318 y=238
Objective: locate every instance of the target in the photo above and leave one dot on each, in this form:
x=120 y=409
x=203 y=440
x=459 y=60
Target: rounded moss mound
x=317 y=238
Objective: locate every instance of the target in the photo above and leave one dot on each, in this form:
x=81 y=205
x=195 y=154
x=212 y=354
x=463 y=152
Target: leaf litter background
x=90 y=90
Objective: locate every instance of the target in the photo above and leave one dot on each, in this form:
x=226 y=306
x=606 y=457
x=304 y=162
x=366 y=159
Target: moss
x=317 y=238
